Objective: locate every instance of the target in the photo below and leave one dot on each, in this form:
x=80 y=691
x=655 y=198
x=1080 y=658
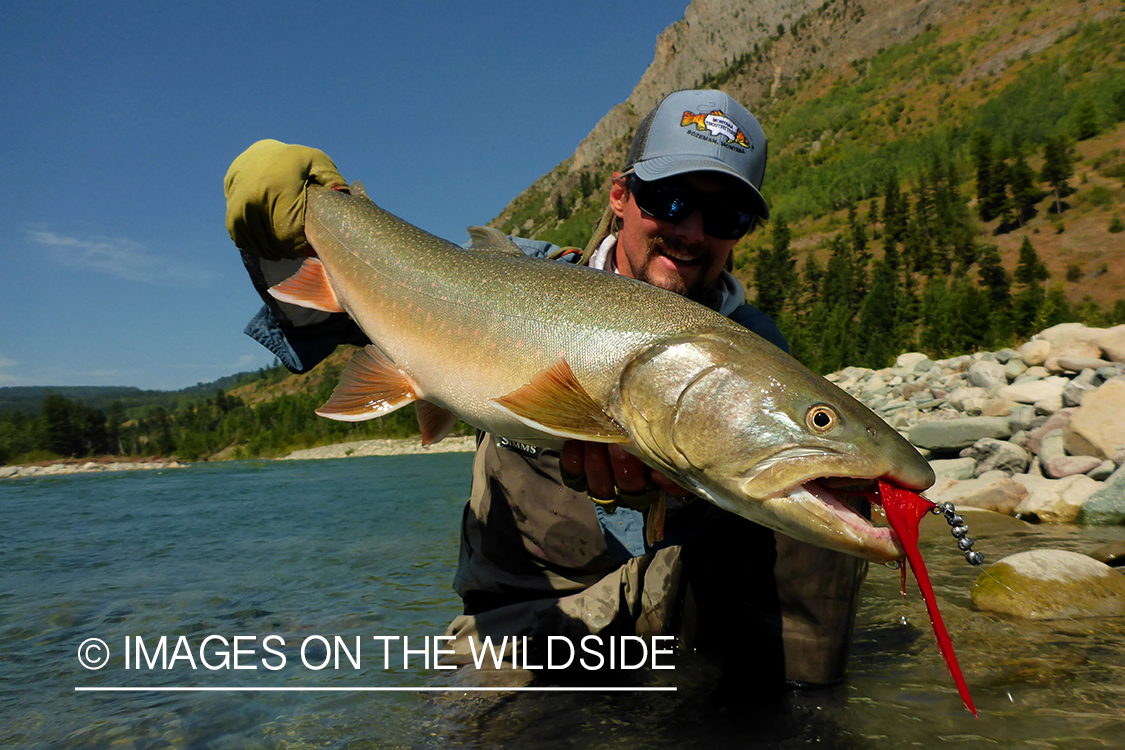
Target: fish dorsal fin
x=434 y=422
x=370 y=387
x=556 y=403
x=308 y=287
x=488 y=239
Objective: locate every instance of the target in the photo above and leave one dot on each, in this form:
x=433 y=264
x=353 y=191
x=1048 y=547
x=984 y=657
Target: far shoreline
x=352 y=449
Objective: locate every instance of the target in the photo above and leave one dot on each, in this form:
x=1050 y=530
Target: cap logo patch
x=717 y=124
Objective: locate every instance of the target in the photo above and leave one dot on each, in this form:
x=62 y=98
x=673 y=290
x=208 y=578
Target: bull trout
x=540 y=352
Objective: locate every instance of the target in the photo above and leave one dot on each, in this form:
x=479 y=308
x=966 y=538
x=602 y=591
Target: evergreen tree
x=59 y=427
x=1058 y=167
x=938 y=317
x=775 y=274
x=1055 y=310
x=1086 y=117
x=878 y=318
x=1028 y=302
x=981 y=146
x=1025 y=194
x=895 y=209
x=1000 y=204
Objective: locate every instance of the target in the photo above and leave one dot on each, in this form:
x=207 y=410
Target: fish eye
x=822 y=418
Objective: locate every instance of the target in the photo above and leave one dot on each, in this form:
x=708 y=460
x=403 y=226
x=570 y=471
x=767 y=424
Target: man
x=554 y=543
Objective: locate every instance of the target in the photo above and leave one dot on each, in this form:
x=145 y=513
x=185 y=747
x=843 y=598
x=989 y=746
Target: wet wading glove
x=265 y=191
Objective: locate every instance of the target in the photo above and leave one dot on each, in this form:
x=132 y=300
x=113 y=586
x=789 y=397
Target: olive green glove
x=265 y=191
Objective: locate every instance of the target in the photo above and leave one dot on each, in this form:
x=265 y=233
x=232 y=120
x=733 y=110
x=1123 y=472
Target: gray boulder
x=991 y=455
x=951 y=434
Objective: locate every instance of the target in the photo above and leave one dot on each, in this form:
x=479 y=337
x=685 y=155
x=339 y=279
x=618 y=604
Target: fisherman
x=555 y=542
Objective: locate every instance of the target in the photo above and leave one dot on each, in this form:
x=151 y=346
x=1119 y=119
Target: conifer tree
x=981 y=146
x=1058 y=167
x=1028 y=301
x=1025 y=194
x=775 y=274
x=1086 y=117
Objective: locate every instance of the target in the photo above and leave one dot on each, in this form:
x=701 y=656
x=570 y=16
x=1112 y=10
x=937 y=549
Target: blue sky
x=121 y=118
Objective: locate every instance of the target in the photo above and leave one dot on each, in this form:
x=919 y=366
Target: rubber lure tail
x=904 y=510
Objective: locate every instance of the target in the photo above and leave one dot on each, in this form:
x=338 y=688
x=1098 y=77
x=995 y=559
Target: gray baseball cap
x=693 y=131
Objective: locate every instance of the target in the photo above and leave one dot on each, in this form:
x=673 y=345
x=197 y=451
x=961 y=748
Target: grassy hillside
x=1022 y=71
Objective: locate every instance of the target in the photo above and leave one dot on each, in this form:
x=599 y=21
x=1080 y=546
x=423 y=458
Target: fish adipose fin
x=556 y=403
x=434 y=421
x=487 y=239
x=308 y=287
x=370 y=387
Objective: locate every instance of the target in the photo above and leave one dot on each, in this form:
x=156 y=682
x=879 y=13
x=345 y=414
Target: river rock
x=991 y=455
x=994 y=491
x=967 y=398
x=1106 y=506
x=909 y=361
x=1054 y=500
x=1102 y=471
x=1051 y=447
x=1035 y=352
x=1014 y=368
x=1110 y=553
x=1112 y=343
x=1034 y=391
x=1078 y=364
x=953 y=468
x=1075 y=392
x=1098 y=427
x=987 y=375
x=1056 y=421
x=1048 y=584
x=1065 y=466
x=950 y=434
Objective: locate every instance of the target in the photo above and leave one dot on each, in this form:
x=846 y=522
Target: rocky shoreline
x=1037 y=433
x=452 y=444
x=384 y=447
x=60 y=468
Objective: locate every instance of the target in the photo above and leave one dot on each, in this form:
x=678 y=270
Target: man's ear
x=618 y=195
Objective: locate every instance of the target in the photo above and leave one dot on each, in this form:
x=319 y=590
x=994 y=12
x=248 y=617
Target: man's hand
x=265 y=191
x=609 y=469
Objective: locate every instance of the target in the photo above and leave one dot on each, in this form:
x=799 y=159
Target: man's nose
x=691 y=227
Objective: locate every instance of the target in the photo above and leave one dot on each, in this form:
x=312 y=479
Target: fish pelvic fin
x=434 y=422
x=556 y=403
x=370 y=387
x=487 y=239
x=308 y=287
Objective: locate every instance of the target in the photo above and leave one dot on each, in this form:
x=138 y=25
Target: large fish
x=540 y=351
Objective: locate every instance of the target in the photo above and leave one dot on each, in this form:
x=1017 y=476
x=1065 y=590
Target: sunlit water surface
x=367 y=547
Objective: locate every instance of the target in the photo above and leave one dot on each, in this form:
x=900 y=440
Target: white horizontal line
x=372 y=689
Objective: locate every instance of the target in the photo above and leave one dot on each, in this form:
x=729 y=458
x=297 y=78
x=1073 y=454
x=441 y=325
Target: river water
x=305 y=552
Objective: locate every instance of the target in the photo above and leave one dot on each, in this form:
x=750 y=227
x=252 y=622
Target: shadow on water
x=366 y=547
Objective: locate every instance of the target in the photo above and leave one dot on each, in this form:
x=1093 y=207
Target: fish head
x=741 y=423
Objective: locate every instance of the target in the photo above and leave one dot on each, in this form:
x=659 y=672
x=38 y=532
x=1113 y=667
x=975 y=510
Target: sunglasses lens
x=675 y=202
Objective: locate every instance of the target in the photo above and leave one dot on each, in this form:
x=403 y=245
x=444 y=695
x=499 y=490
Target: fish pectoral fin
x=487 y=239
x=434 y=421
x=370 y=387
x=308 y=287
x=556 y=403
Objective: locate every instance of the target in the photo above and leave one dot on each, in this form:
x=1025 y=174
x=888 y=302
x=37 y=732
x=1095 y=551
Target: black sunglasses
x=725 y=216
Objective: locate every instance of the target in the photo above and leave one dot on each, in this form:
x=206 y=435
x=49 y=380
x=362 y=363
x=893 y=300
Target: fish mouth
x=843 y=498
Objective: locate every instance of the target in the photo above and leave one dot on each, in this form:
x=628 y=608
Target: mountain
x=851 y=92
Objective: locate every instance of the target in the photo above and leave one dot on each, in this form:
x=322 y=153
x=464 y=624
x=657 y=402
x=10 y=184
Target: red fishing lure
x=904 y=510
